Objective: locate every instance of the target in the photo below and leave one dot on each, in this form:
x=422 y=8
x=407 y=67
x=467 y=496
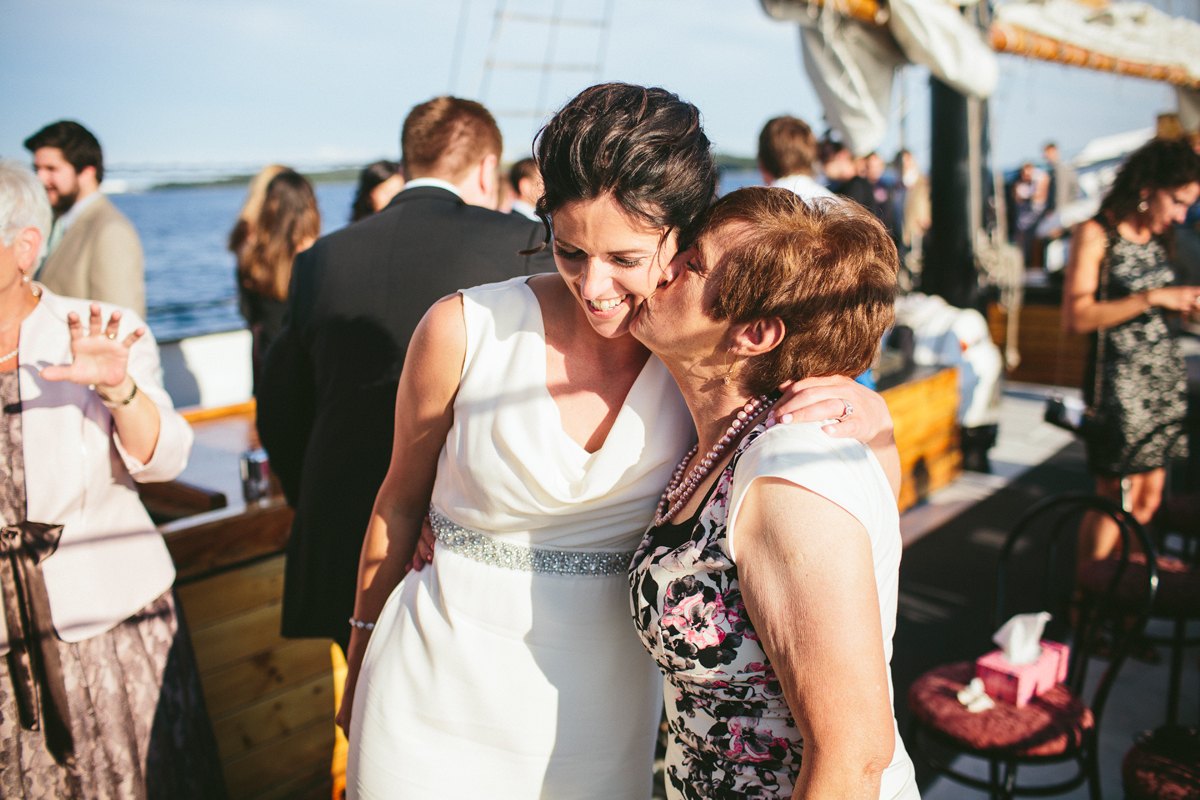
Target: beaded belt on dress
x=480 y=547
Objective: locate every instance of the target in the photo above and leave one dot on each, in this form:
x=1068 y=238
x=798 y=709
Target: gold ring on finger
x=111 y=335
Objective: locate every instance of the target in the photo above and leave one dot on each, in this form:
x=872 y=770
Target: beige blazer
x=99 y=258
x=111 y=560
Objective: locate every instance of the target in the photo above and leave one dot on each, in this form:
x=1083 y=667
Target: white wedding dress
x=509 y=667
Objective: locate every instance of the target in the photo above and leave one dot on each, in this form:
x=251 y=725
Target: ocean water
x=191 y=287
x=190 y=277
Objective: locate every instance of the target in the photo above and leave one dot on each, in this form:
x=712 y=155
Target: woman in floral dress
x=766 y=590
x=1118 y=289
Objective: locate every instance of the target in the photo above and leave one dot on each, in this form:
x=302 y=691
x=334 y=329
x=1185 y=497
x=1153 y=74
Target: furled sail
x=852 y=49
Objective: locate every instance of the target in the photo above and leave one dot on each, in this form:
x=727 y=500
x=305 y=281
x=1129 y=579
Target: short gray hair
x=23 y=202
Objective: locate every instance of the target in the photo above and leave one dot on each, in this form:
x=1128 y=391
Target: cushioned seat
x=1051 y=724
x=1151 y=776
x=1178 y=585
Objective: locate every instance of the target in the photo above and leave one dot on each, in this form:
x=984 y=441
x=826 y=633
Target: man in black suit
x=328 y=393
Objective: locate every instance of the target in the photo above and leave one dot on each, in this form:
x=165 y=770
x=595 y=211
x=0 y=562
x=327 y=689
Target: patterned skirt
x=138 y=719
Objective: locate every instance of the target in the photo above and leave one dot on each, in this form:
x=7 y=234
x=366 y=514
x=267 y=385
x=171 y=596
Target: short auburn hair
x=826 y=269
x=446 y=137
x=787 y=146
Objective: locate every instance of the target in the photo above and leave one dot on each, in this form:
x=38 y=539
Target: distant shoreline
x=350 y=175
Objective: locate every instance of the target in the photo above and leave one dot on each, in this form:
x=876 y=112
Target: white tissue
x=1020 y=637
x=974 y=697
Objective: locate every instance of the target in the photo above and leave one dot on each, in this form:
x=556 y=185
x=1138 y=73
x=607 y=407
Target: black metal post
x=949 y=269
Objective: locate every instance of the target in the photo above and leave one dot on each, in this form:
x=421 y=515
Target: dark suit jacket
x=328 y=391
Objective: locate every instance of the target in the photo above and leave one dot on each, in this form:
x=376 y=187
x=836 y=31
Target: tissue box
x=1019 y=683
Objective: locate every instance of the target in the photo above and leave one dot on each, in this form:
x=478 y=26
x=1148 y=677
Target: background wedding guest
x=287 y=224
x=248 y=216
x=915 y=216
x=93 y=251
x=1118 y=289
x=1064 y=183
x=327 y=396
x=787 y=153
x=99 y=693
x=378 y=183
x=1028 y=195
x=839 y=165
x=526 y=183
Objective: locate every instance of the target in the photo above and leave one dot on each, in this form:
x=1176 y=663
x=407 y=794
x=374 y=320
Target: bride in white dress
x=538 y=435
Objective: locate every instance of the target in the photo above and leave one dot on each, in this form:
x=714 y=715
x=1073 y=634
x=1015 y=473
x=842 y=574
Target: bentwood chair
x=1178 y=597
x=1164 y=765
x=1037 y=559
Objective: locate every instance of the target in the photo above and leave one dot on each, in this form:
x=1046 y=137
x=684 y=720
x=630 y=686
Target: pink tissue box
x=1019 y=683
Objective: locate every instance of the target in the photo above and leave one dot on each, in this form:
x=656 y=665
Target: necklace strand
x=681 y=488
x=10 y=355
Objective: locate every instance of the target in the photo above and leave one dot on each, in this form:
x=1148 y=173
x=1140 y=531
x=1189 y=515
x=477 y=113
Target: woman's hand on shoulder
x=98 y=358
x=857 y=412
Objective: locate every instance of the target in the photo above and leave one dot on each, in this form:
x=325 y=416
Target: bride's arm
x=424 y=414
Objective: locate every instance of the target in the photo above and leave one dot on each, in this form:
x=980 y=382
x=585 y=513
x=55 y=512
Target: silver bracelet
x=358 y=623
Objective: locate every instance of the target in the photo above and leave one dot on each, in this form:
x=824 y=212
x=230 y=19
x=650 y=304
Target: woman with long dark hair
x=537 y=434
x=1119 y=290
x=288 y=223
x=378 y=183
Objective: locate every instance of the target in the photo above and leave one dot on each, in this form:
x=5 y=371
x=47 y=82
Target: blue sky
x=246 y=82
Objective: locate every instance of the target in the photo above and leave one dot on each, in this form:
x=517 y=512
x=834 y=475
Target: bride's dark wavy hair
x=1158 y=164
x=643 y=146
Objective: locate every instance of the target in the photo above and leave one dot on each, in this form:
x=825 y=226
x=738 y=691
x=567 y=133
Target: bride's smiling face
x=611 y=261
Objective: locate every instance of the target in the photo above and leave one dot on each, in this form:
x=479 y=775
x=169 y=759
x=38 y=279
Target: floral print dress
x=730 y=733
x=1143 y=378
x=728 y=725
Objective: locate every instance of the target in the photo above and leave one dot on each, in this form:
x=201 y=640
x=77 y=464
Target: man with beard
x=93 y=251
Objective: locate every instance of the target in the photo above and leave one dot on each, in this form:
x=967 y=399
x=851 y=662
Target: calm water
x=190 y=283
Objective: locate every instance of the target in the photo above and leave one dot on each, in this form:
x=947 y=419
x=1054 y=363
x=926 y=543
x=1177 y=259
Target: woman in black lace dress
x=1119 y=289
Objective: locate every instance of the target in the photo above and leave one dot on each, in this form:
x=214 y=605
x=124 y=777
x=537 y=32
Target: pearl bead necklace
x=681 y=489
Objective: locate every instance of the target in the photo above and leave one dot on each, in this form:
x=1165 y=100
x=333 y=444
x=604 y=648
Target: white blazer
x=111 y=560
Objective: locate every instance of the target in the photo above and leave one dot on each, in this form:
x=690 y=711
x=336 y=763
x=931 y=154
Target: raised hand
x=98 y=358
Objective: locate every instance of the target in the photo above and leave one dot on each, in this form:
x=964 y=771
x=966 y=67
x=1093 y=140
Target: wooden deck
x=272 y=699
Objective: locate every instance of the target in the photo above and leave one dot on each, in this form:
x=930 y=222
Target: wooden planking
x=259 y=676
x=925 y=416
x=225 y=594
x=196 y=414
x=241 y=732
x=227 y=537
x=1048 y=355
x=280 y=760
x=238 y=638
x=314 y=785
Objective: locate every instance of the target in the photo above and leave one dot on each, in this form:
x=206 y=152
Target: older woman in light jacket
x=99 y=692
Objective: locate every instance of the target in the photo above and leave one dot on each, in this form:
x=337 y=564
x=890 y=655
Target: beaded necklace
x=681 y=489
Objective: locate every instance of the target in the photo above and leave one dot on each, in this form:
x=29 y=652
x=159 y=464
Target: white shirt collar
x=417 y=183
x=68 y=219
x=804 y=186
x=526 y=210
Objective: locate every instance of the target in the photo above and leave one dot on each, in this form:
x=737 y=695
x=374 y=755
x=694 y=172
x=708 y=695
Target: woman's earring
x=1143 y=206
x=729 y=371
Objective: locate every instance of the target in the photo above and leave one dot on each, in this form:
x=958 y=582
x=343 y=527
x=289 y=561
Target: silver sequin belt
x=488 y=550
